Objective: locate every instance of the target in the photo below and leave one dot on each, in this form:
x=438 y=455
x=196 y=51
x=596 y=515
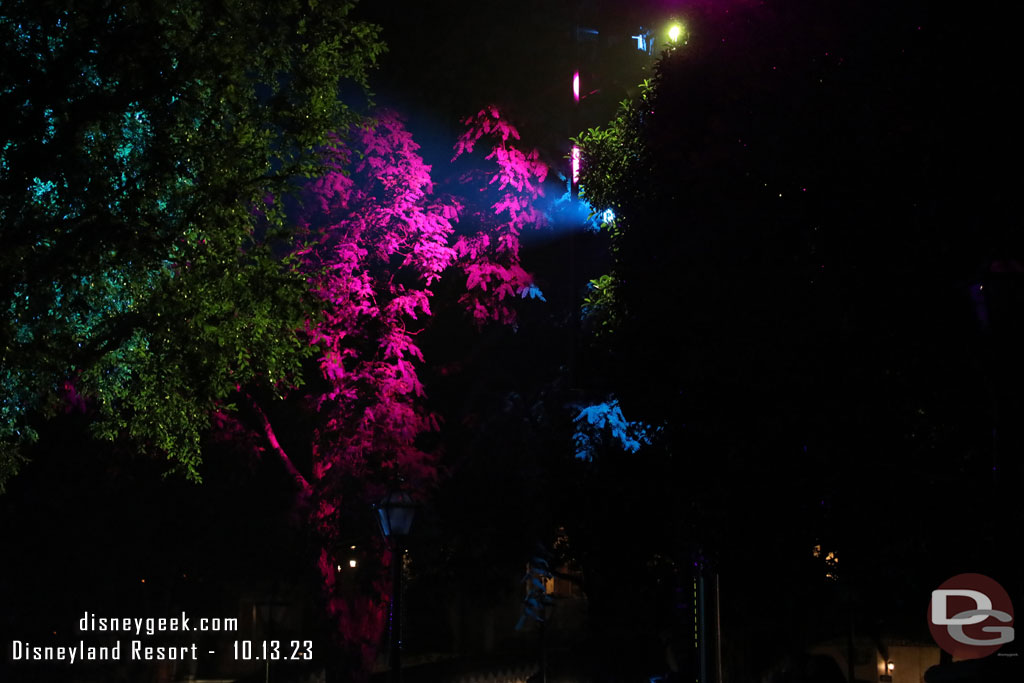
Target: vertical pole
x=702 y=653
x=395 y=655
x=718 y=631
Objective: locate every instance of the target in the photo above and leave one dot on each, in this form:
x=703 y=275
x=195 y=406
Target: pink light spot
x=575 y=164
x=576 y=86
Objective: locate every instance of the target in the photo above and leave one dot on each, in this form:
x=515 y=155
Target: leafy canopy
x=142 y=147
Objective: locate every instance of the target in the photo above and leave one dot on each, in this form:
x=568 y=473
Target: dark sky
x=446 y=60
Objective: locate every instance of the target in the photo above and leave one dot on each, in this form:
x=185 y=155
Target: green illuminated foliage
x=144 y=150
x=614 y=158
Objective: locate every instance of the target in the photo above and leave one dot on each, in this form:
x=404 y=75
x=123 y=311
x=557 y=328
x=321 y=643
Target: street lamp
x=676 y=34
x=395 y=514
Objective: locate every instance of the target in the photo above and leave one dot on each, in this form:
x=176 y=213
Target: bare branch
x=268 y=431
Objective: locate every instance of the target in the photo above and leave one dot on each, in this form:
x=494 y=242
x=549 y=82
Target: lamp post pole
x=395 y=514
x=395 y=655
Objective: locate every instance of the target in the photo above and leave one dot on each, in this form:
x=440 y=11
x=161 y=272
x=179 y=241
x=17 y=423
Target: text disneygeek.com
x=138 y=649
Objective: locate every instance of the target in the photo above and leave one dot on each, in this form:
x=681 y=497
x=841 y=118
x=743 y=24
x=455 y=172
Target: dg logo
x=970 y=616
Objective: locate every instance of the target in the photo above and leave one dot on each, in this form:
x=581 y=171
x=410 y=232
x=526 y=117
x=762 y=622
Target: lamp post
x=675 y=32
x=395 y=514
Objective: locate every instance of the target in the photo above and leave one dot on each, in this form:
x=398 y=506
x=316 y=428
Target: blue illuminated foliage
x=533 y=292
x=600 y=425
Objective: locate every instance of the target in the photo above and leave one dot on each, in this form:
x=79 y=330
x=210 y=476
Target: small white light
x=352 y=563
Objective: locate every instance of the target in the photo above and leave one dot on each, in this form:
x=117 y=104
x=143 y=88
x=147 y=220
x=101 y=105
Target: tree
x=142 y=152
x=375 y=244
x=151 y=279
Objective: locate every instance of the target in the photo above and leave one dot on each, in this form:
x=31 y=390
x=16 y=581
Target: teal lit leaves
x=139 y=137
x=16 y=393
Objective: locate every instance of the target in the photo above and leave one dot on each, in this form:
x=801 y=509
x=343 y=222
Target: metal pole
x=718 y=631
x=395 y=655
x=702 y=654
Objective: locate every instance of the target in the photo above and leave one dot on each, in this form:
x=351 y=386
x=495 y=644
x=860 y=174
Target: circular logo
x=970 y=616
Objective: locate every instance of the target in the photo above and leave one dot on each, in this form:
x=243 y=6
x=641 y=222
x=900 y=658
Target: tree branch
x=268 y=431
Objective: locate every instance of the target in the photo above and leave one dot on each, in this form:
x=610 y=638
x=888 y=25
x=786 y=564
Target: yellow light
x=675 y=32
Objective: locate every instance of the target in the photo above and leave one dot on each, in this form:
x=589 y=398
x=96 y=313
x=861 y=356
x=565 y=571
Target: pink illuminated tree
x=501 y=204
x=376 y=242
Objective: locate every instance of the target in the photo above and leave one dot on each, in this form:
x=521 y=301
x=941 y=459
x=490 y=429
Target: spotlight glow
x=607 y=216
x=576 y=86
x=575 y=164
x=675 y=32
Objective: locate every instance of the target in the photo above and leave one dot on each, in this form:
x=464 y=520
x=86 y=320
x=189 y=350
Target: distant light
x=608 y=216
x=675 y=32
x=352 y=563
x=890 y=666
x=575 y=164
x=576 y=86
